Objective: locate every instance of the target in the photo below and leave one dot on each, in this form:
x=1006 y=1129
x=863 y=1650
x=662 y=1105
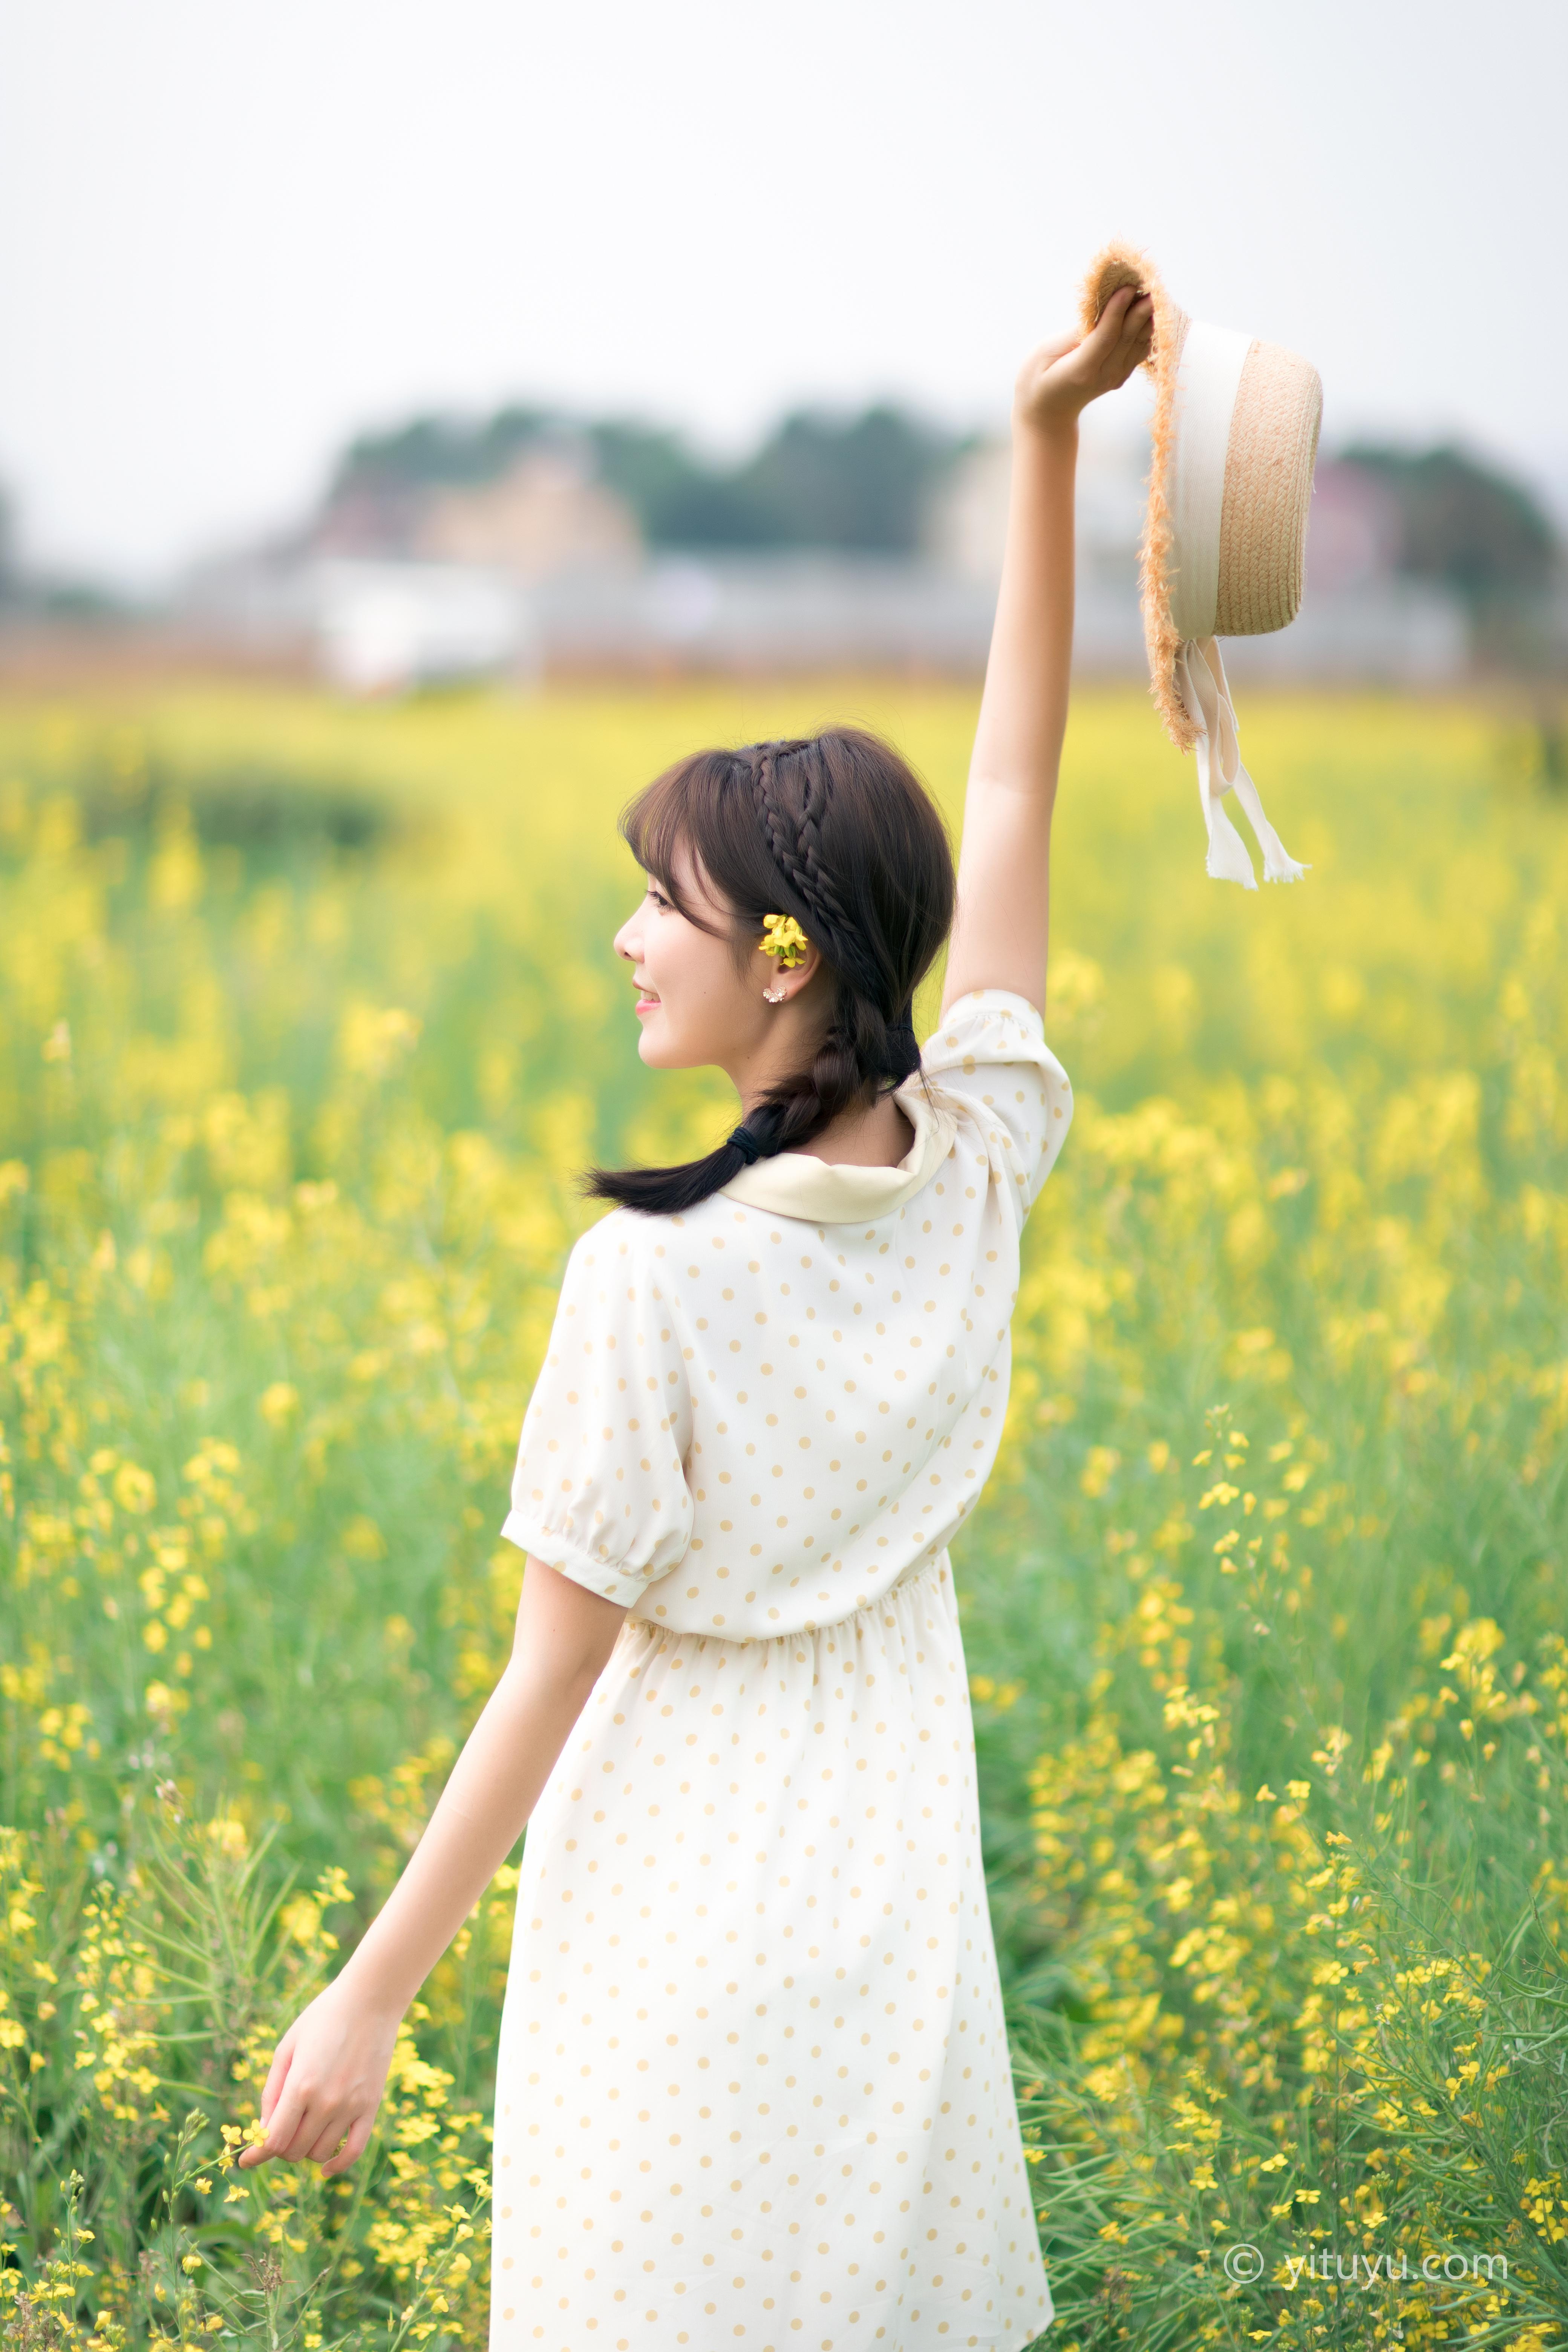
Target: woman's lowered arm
x=325 y=2086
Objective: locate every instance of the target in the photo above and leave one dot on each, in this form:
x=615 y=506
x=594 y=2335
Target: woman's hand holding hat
x=1056 y=383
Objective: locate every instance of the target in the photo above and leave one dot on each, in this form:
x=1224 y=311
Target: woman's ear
x=781 y=983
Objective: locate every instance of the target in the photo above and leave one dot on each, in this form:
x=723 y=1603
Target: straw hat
x=1236 y=434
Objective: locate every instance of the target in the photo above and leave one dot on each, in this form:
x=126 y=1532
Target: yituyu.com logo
x=1244 y=2265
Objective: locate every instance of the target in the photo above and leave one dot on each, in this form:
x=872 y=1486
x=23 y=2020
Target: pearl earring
x=775 y=995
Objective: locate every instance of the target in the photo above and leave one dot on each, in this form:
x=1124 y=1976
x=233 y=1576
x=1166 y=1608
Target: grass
x=308 y=1022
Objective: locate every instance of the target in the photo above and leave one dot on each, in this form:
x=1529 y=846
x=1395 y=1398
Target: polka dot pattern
x=748 y=1424
x=754 y=2084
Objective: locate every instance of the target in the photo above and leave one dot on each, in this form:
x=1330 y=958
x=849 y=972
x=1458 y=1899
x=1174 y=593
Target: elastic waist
x=926 y=1567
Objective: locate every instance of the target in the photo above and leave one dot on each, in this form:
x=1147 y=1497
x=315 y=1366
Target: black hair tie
x=746 y=1144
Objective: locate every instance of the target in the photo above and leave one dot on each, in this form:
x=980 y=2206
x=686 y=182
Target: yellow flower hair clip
x=783 y=936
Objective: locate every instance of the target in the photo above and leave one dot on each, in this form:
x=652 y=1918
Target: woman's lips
x=647 y=1004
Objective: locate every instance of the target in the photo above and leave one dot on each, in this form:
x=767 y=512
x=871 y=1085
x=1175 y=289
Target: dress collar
x=794 y=1184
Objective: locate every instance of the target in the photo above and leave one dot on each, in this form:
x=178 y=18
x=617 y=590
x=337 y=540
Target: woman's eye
x=659 y=898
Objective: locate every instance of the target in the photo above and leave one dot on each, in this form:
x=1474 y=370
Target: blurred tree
x=1481 y=534
x=678 y=499
x=1463 y=522
x=855 y=482
x=858 y=482
x=436 y=451
x=7 y=547
x=27 y=592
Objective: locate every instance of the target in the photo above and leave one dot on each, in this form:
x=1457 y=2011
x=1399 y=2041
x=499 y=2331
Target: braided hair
x=836 y=830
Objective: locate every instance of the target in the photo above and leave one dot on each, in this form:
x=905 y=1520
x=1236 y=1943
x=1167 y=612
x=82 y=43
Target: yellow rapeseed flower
x=783 y=939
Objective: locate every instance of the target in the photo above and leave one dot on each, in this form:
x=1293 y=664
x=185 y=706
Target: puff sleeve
x=599 y=1491
x=989 y=1053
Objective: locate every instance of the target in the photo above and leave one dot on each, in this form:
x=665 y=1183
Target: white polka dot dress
x=754 y=2085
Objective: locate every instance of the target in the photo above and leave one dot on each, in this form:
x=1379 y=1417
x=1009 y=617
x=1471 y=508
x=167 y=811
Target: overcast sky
x=233 y=232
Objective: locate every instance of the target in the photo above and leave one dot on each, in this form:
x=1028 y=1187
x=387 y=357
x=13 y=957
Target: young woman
x=753 y=2083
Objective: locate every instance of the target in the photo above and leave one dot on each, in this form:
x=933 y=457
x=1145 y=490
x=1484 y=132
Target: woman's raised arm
x=1004 y=871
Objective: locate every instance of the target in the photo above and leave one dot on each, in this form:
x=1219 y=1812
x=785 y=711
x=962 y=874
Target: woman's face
x=695 y=1007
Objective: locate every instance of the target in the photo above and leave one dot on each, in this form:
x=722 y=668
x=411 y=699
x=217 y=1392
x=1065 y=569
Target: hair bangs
x=701 y=815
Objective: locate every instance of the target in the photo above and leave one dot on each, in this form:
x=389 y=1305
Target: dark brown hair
x=838 y=832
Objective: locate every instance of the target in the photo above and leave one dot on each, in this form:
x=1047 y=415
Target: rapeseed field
x=308 y=1023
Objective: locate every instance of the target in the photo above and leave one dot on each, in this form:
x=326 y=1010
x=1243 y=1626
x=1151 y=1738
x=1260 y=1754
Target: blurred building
x=791 y=610
x=967 y=529
x=395 y=582
x=378 y=626
x=1360 y=617
x=546 y=516
x=544 y=512
x=517 y=546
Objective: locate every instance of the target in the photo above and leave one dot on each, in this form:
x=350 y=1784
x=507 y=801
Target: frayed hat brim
x=1115 y=266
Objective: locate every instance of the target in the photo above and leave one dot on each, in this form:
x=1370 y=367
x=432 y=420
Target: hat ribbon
x=1202 y=684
